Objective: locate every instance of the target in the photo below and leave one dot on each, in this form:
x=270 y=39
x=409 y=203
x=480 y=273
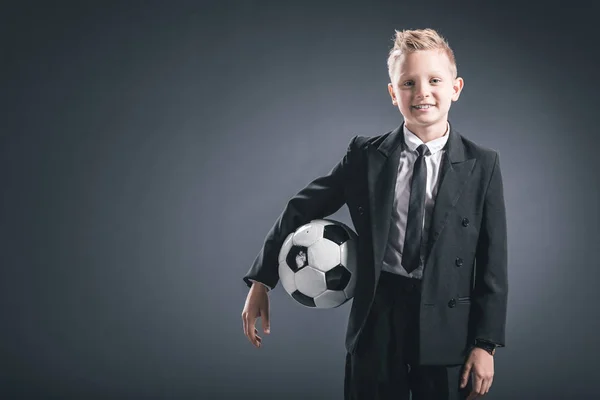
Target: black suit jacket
x=465 y=285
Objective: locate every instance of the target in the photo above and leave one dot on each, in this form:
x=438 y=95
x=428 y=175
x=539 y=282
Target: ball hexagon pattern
x=324 y=255
x=307 y=234
x=310 y=281
x=318 y=264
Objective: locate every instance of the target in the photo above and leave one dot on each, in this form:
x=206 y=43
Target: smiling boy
x=429 y=307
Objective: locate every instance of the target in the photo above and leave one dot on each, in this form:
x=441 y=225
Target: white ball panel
x=330 y=299
x=286 y=276
x=308 y=234
x=310 y=282
x=324 y=255
x=285 y=248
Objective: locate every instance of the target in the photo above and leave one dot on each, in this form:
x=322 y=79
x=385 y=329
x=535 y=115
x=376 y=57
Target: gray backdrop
x=146 y=149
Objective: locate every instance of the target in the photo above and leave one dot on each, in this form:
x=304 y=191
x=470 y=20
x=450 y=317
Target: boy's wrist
x=486 y=345
x=260 y=285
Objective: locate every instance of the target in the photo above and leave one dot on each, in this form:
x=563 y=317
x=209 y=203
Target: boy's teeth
x=425 y=106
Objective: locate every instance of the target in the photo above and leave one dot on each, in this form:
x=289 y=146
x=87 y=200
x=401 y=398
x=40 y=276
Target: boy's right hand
x=257 y=305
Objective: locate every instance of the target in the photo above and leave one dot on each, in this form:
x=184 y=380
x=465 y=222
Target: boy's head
x=423 y=77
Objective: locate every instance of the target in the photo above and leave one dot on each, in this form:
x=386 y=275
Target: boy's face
x=424 y=77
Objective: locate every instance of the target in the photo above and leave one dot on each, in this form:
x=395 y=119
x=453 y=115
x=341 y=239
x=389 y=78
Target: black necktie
x=411 y=252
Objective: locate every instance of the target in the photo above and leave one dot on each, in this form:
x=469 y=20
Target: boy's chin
x=433 y=117
x=424 y=120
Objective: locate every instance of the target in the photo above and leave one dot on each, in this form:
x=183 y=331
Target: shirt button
x=452 y=303
x=465 y=222
x=459 y=262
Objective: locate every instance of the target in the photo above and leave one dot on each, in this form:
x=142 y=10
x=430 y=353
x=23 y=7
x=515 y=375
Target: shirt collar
x=412 y=141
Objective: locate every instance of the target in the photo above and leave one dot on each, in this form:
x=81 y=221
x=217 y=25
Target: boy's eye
x=410 y=83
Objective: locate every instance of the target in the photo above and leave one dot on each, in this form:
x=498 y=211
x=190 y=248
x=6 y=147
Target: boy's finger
x=257 y=339
x=266 y=323
x=245 y=319
x=250 y=329
x=465 y=376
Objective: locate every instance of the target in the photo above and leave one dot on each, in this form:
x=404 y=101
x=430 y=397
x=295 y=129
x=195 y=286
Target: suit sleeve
x=490 y=293
x=319 y=199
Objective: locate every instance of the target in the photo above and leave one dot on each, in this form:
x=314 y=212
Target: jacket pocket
x=463 y=300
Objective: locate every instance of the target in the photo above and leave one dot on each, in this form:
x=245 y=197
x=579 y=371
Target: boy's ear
x=392 y=95
x=457 y=87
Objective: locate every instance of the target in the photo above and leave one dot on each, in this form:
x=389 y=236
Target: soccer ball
x=318 y=262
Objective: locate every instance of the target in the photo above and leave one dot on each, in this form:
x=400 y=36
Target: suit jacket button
x=459 y=262
x=465 y=222
x=452 y=303
x=361 y=210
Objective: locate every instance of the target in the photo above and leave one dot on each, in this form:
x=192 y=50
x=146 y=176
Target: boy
x=429 y=307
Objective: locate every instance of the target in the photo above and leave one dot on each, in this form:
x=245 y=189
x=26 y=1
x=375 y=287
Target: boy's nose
x=422 y=91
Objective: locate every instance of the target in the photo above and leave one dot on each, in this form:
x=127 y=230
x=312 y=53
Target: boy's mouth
x=422 y=106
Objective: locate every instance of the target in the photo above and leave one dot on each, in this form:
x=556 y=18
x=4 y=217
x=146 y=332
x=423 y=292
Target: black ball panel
x=303 y=299
x=336 y=234
x=337 y=278
x=297 y=258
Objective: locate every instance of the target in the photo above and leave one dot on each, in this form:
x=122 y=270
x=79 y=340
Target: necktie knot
x=423 y=150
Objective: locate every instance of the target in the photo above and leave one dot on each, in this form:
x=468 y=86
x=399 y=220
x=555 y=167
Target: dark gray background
x=146 y=149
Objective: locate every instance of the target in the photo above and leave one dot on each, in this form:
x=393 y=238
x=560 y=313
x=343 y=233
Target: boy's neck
x=429 y=133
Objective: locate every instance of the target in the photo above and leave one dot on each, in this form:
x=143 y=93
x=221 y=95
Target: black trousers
x=384 y=366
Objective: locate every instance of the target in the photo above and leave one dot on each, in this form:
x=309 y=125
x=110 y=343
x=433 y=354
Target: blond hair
x=409 y=41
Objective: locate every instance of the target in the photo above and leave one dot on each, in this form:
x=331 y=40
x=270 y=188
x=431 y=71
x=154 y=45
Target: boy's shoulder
x=476 y=150
x=362 y=141
x=485 y=156
x=471 y=149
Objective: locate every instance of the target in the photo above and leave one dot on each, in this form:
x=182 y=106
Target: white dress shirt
x=392 y=261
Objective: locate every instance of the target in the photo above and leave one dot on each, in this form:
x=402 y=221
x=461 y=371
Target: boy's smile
x=423 y=88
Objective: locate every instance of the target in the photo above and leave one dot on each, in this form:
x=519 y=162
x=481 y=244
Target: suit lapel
x=382 y=167
x=456 y=170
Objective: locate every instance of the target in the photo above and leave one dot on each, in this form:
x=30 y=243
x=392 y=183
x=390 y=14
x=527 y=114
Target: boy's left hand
x=481 y=364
